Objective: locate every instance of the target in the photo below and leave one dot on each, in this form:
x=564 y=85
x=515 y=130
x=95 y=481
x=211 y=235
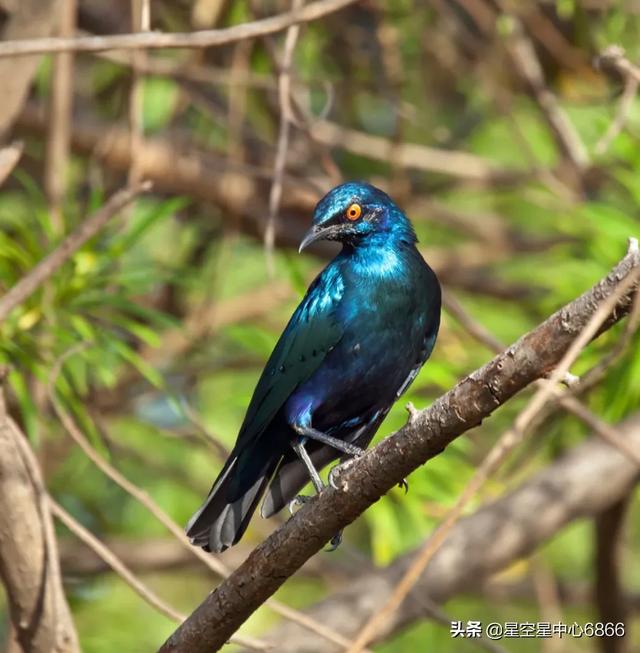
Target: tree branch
x=9 y=157
x=155 y=40
x=29 y=565
x=483 y=543
x=384 y=466
x=45 y=268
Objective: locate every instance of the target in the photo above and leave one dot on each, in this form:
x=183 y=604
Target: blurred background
x=514 y=155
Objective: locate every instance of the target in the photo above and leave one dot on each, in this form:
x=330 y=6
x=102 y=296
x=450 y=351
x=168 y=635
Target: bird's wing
x=312 y=332
x=428 y=325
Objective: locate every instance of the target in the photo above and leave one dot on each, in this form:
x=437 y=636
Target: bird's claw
x=405 y=485
x=297 y=502
x=339 y=469
x=334 y=542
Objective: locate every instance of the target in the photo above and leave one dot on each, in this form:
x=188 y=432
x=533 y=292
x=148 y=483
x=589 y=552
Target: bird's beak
x=318 y=233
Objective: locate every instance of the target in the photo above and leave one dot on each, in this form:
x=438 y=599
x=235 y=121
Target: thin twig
x=141 y=23
x=59 y=136
x=286 y=117
x=494 y=458
x=493 y=538
x=155 y=40
x=527 y=64
x=568 y=401
x=51 y=263
x=114 y=562
x=614 y=57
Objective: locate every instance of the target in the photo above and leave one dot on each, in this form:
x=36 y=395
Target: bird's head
x=356 y=213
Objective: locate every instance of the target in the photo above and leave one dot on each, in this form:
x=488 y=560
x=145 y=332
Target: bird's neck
x=377 y=257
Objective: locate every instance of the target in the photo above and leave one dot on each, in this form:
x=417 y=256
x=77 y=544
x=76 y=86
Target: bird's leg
x=319 y=436
x=298 y=447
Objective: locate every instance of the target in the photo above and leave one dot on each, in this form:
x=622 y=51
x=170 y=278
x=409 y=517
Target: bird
x=356 y=342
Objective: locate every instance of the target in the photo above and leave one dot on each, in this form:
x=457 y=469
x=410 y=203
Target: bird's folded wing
x=311 y=333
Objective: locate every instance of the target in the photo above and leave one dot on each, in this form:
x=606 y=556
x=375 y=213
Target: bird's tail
x=223 y=518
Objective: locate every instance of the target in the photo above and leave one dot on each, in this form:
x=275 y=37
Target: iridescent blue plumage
x=364 y=329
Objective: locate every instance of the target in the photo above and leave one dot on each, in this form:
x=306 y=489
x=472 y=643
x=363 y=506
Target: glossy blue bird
x=355 y=343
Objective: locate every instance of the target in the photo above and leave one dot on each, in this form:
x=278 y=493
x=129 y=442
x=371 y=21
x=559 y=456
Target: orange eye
x=354 y=212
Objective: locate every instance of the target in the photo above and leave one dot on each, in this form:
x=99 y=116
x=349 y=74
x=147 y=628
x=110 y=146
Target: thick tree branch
x=27 y=19
x=384 y=466
x=29 y=566
x=485 y=542
x=609 y=595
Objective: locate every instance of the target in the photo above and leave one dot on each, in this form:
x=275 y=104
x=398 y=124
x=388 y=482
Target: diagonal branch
x=383 y=467
x=9 y=157
x=483 y=543
x=67 y=248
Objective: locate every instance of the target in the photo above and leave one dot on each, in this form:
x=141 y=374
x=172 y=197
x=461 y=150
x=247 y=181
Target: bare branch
x=155 y=40
x=9 y=157
x=614 y=57
x=114 y=562
x=60 y=108
x=26 y=19
x=51 y=263
x=384 y=466
x=411 y=155
x=286 y=115
x=481 y=544
x=609 y=594
x=528 y=66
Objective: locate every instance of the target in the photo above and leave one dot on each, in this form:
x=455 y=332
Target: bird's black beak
x=319 y=233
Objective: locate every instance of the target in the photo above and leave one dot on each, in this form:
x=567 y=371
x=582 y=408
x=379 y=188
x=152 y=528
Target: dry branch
x=614 y=58
x=381 y=468
x=412 y=155
x=609 y=588
x=9 y=157
x=156 y=40
x=48 y=266
x=27 y=19
x=60 y=107
x=29 y=565
x=528 y=66
x=286 y=118
x=483 y=543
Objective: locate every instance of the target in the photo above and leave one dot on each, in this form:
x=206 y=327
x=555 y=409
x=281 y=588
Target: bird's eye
x=354 y=212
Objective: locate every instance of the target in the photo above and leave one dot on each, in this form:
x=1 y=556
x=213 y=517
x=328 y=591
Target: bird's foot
x=297 y=502
x=334 y=542
x=405 y=485
x=339 y=469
